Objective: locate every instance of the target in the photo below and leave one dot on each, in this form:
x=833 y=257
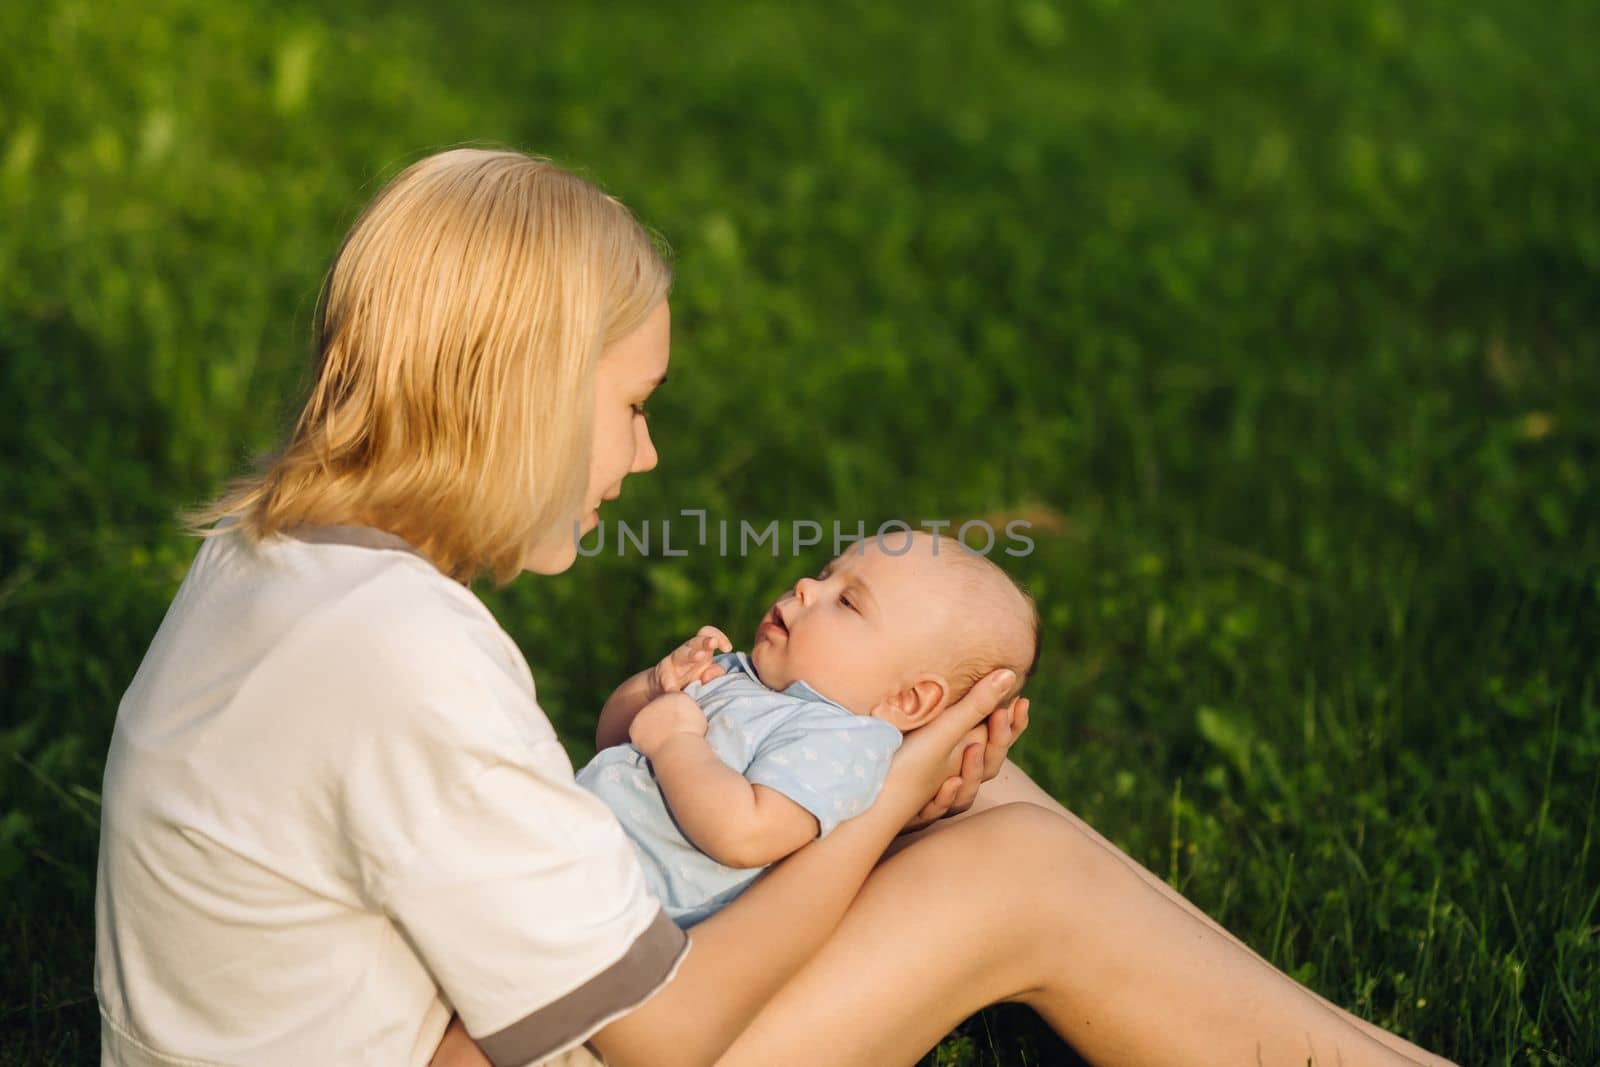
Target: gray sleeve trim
x=649 y=963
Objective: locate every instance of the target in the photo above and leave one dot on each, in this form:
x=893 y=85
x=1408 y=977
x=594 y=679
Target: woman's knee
x=1028 y=832
x=1061 y=870
x=1022 y=849
x=1025 y=860
x=1046 y=888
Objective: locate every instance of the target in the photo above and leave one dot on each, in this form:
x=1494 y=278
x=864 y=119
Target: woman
x=335 y=818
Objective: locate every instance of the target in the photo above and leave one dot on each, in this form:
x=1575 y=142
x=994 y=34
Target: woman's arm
x=742 y=955
x=800 y=897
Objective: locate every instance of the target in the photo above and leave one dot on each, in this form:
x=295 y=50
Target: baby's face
x=857 y=631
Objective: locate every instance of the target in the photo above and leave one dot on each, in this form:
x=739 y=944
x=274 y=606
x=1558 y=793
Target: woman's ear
x=915 y=705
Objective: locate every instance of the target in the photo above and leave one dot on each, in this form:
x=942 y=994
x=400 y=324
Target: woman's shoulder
x=357 y=608
x=323 y=568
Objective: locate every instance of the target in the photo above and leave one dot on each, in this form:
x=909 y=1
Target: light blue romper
x=820 y=755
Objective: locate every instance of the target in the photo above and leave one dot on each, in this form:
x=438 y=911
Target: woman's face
x=628 y=373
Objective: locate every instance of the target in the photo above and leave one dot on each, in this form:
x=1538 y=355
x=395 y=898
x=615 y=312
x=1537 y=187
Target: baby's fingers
x=695 y=650
x=718 y=640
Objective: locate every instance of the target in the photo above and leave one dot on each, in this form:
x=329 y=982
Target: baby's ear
x=917 y=704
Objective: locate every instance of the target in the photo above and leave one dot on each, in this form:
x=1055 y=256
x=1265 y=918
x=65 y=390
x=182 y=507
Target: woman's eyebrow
x=657 y=383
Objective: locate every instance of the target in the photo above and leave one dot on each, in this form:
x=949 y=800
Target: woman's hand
x=966 y=745
x=983 y=753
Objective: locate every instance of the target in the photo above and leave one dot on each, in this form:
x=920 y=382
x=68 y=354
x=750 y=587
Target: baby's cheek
x=857 y=677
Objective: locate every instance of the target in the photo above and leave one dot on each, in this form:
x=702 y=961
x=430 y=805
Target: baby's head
x=899 y=637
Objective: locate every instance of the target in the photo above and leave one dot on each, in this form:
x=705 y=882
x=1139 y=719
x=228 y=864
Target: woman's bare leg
x=1012 y=785
x=1016 y=903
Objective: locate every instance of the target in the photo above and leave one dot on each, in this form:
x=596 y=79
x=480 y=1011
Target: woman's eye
x=638 y=409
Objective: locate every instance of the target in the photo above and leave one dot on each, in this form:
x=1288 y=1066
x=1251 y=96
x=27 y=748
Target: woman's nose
x=644 y=449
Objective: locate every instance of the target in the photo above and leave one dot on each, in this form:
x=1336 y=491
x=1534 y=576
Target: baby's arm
x=726 y=817
x=623 y=704
x=690 y=661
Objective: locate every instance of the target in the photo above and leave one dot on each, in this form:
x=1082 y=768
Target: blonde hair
x=457 y=334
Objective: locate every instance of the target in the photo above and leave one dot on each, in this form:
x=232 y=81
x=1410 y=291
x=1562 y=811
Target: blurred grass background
x=1284 y=317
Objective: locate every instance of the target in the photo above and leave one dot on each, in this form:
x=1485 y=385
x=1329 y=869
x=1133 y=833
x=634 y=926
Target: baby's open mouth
x=775 y=620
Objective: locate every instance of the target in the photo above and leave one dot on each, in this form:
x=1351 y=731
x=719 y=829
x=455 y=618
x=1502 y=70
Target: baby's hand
x=691 y=661
x=664 y=718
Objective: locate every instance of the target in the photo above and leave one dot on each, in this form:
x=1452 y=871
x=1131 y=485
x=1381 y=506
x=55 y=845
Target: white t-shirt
x=333 y=812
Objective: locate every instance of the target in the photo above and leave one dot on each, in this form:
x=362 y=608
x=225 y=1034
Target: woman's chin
x=551 y=558
x=560 y=552
x=548 y=565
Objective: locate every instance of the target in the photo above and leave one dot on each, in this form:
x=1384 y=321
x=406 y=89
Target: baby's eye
x=844 y=598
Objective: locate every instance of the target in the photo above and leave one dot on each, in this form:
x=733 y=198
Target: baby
x=738 y=760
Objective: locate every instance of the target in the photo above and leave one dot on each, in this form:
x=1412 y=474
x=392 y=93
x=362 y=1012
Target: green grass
x=1291 y=312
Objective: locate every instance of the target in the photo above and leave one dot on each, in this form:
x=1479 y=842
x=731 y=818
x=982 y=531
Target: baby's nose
x=805 y=588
